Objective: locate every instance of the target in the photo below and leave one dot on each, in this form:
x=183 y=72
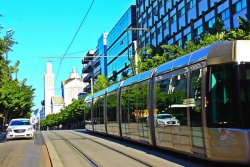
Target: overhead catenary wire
x=74 y=38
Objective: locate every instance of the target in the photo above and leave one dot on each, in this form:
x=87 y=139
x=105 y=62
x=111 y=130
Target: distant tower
x=48 y=88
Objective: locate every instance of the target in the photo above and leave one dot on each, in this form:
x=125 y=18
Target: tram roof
x=99 y=93
x=113 y=87
x=185 y=60
x=137 y=78
x=88 y=98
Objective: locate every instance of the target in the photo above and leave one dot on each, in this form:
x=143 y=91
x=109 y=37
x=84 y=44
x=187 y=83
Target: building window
x=240 y=5
x=159 y=30
x=182 y=11
x=199 y=30
x=191 y=4
x=165 y=25
x=153 y=35
x=160 y=4
x=149 y=15
x=173 y=19
x=180 y=43
x=211 y=23
x=225 y=14
x=188 y=37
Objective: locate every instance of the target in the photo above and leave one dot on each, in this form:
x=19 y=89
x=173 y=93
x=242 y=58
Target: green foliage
x=217 y=27
x=15 y=96
x=173 y=52
x=101 y=83
x=237 y=34
x=73 y=113
x=244 y=23
x=15 y=99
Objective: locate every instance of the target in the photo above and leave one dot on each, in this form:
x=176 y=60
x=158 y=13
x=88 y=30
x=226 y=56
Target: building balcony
x=96 y=61
x=87 y=68
x=89 y=57
x=87 y=88
x=97 y=73
x=87 y=78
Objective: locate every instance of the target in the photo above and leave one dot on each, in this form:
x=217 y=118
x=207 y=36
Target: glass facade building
x=177 y=21
x=120 y=45
x=95 y=62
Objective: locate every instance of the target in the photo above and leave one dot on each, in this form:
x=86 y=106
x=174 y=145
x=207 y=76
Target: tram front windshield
x=229 y=96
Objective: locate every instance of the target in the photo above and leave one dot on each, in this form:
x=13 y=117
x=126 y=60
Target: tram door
x=195 y=109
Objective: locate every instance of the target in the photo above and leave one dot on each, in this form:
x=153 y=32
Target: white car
x=167 y=119
x=20 y=128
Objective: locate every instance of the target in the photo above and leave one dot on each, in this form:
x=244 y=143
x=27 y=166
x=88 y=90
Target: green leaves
x=15 y=96
x=71 y=114
x=102 y=82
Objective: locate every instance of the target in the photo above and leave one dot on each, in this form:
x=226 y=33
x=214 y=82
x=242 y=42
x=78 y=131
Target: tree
x=16 y=99
x=101 y=83
x=172 y=52
x=217 y=27
x=244 y=23
x=7 y=42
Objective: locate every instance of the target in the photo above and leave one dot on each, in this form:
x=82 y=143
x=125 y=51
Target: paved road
x=47 y=149
x=24 y=153
x=63 y=155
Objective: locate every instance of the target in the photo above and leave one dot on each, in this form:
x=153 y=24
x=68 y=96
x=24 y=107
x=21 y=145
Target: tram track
x=92 y=161
x=77 y=150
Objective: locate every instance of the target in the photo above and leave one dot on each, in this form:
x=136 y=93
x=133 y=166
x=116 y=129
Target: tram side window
x=98 y=111
x=245 y=94
x=87 y=112
x=195 y=98
x=222 y=97
x=248 y=84
x=134 y=102
x=125 y=105
x=162 y=96
x=178 y=98
x=142 y=95
x=111 y=106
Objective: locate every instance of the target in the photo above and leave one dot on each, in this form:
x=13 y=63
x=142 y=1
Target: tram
x=198 y=104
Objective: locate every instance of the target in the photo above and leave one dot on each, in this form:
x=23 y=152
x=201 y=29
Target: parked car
x=20 y=128
x=167 y=119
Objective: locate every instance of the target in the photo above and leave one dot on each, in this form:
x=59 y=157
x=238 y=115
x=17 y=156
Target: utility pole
x=135 y=66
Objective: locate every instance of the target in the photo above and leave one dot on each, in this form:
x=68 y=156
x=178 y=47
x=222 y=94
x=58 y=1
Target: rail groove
x=113 y=149
x=77 y=150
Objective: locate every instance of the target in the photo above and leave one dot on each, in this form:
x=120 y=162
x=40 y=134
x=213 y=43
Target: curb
x=54 y=158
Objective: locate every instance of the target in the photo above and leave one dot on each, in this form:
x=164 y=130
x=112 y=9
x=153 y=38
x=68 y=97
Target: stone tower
x=48 y=87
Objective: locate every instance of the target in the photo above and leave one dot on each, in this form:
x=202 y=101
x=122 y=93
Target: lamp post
x=135 y=69
x=7 y=32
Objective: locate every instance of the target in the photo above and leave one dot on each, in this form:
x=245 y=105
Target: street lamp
x=7 y=32
x=135 y=69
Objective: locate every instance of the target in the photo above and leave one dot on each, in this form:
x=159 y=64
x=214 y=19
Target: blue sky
x=46 y=28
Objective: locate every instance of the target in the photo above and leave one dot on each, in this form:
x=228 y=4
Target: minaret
x=48 y=87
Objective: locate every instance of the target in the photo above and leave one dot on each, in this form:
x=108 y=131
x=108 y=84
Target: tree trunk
x=5 y=117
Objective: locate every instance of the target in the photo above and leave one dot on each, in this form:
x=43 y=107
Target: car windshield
x=19 y=122
x=164 y=116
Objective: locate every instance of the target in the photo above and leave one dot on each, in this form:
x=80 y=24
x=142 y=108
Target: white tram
x=198 y=104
